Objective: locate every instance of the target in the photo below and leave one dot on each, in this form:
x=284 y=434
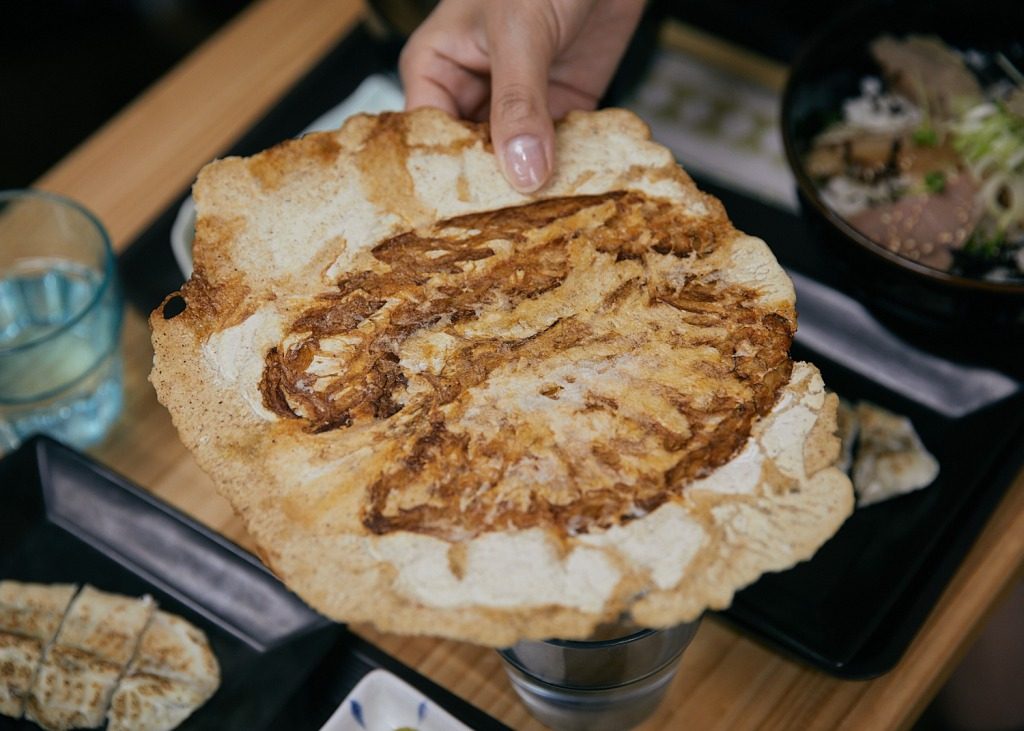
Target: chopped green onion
x=935 y=181
x=991 y=138
x=925 y=137
x=985 y=247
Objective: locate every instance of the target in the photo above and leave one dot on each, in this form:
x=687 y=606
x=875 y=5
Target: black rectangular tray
x=64 y=518
x=855 y=607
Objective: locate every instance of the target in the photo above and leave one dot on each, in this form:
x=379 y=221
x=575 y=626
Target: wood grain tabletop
x=136 y=165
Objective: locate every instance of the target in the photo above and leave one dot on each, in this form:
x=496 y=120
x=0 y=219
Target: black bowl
x=970 y=318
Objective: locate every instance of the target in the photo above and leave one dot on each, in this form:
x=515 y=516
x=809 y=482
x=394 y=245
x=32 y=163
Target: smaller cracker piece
x=891 y=459
x=79 y=672
x=174 y=672
x=19 y=658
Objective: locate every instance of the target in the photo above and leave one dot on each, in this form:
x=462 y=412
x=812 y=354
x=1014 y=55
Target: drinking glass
x=60 y=322
x=597 y=685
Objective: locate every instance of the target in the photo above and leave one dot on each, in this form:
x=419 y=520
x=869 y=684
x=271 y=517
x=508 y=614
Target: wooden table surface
x=136 y=165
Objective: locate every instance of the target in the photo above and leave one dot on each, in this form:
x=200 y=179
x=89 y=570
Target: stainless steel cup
x=602 y=685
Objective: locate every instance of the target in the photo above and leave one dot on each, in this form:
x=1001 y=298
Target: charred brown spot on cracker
x=457 y=559
x=337 y=314
x=607 y=455
x=213 y=239
x=326 y=146
x=593 y=401
x=551 y=390
x=269 y=167
x=462 y=190
x=382 y=164
x=272 y=165
x=205 y=306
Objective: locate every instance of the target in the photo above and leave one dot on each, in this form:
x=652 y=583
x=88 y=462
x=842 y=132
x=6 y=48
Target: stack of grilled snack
x=69 y=658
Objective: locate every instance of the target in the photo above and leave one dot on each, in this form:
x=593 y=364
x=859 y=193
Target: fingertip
x=521 y=126
x=523 y=136
x=526 y=162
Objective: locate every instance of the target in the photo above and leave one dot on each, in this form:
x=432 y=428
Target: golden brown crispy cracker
x=444 y=407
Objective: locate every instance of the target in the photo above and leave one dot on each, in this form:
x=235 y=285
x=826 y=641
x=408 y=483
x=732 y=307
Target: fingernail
x=526 y=163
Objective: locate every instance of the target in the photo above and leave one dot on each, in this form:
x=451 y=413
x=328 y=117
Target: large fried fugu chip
x=444 y=407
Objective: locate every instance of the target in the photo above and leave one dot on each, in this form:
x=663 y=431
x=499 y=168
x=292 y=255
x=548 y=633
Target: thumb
x=521 y=128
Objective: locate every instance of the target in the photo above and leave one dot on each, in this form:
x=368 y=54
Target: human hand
x=518 y=63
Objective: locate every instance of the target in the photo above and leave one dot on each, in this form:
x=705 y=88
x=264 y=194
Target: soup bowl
x=969 y=317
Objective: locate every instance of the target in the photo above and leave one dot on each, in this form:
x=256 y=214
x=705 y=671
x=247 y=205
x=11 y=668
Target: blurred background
x=67 y=66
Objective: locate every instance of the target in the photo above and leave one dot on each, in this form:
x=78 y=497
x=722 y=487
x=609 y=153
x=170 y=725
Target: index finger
x=421 y=88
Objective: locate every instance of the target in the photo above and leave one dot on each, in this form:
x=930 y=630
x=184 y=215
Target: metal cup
x=600 y=685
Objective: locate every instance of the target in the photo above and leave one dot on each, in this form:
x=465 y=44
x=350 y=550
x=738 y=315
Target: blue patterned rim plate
x=383 y=702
